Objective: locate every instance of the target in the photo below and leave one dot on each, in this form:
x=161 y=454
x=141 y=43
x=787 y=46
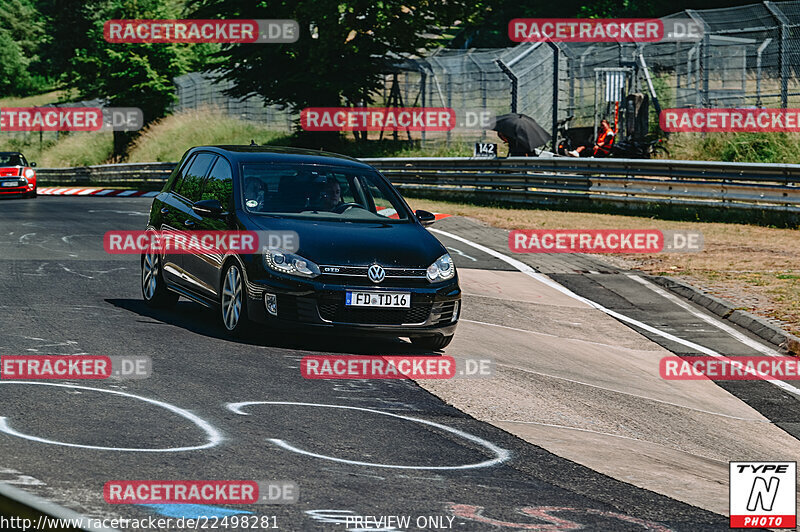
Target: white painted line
x=104 y=192
x=150 y=194
x=86 y=191
x=743 y=338
x=524 y=268
x=127 y=193
x=213 y=436
x=502 y=454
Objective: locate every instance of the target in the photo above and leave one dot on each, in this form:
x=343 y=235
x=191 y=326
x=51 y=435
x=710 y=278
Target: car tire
x=154 y=288
x=432 y=342
x=233 y=300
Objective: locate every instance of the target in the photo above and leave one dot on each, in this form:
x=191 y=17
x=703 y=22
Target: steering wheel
x=339 y=209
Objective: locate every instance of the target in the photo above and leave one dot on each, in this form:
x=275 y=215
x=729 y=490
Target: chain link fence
x=204 y=90
x=749 y=56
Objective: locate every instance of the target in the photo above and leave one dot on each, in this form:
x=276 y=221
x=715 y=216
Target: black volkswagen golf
x=364 y=264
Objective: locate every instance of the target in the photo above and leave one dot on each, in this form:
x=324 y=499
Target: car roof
x=10 y=153
x=280 y=154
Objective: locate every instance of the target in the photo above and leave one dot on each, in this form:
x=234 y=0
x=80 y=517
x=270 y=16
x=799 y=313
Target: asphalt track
x=576 y=430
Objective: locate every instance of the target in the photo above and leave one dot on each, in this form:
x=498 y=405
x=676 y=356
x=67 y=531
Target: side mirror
x=211 y=208
x=33 y=164
x=425 y=217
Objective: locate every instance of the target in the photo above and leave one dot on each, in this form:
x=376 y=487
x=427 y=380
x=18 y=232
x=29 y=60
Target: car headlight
x=441 y=270
x=29 y=173
x=285 y=262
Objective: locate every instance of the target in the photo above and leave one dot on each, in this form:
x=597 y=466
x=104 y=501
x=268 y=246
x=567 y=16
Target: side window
x=192 y=182
x=219 y=185
x=181 y=171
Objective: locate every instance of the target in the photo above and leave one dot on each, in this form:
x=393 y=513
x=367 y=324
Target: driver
x=330 y=196
x=254 y=194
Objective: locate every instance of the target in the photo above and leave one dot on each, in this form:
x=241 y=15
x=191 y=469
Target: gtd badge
x=376 y=273
x=763 y=494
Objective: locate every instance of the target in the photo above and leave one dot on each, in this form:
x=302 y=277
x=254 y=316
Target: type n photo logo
x=763 y=494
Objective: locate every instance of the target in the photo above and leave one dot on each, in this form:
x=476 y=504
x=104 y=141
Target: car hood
x=10 y=171
x=406 y=245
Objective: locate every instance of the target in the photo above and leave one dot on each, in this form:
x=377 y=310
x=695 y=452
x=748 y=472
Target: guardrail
x=558 y=180
x=142 y=175
x=732 y=186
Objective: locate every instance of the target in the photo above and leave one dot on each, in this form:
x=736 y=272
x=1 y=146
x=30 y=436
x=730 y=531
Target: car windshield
x=325 y=192
x=12 y=159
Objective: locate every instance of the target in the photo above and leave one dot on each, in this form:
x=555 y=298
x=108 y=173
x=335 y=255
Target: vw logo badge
x=376 y=273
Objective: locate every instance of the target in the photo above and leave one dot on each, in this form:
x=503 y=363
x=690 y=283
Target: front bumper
x=21 y=186
x=314 y=304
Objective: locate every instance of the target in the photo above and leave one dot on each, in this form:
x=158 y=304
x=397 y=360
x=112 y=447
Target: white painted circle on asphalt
x=213 y=435
x=501 y=454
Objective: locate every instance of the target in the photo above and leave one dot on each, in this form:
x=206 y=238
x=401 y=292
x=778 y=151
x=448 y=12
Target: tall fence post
x=514 y=82
x=783 y=63
x=556 y=58
x=703 y=69
x=758 y=69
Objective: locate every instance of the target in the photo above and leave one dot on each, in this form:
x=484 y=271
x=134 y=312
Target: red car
x=17 y=176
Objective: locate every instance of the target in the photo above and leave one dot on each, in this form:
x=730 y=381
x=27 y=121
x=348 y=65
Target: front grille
x=444 y=312
x=338 y=312
x=357 y=276
x=342 y=270
x=307 y=309
x=287 y=307
x=361 y=271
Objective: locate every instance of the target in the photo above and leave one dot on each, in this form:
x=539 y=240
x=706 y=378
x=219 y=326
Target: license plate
x=9 y=184
x=378 y=299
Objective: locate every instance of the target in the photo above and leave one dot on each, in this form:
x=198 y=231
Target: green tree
x=342 y=49
x=21 y=29
x=128 y=75
x=68 y=23
x=14 y=79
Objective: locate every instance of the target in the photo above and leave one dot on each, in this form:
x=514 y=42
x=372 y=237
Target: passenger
x=605 y=139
